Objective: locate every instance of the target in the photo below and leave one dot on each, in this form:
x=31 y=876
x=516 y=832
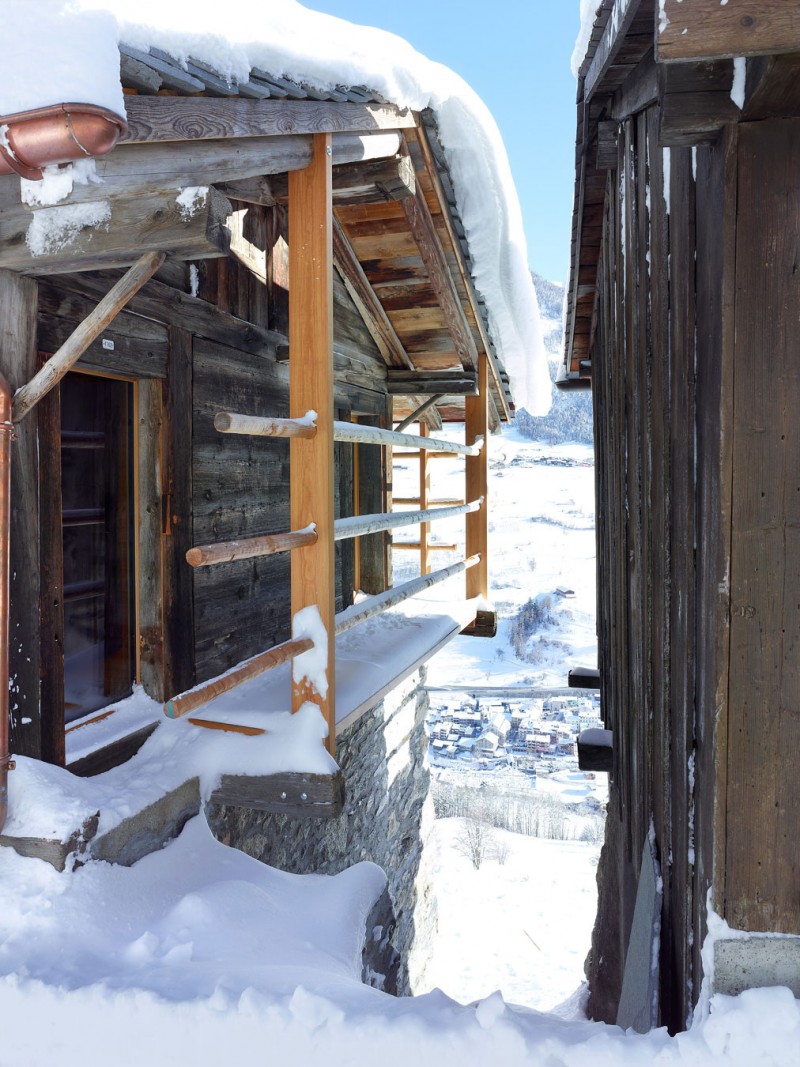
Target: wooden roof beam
x=707 y=30
x=369 y=306
x=31 y=242
x=427 y=240
x=407 y=383
x=170 y=118
x=353 y=183
x=433 y=171
x=163 y=169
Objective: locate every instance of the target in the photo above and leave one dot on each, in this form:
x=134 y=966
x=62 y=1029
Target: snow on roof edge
x=285 y=38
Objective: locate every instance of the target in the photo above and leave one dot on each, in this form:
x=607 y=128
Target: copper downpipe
x=32 y=140
x=6 y=432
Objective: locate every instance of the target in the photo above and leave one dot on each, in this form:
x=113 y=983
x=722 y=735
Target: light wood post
x=424 y=486
x=477 y=470
x=311 y=388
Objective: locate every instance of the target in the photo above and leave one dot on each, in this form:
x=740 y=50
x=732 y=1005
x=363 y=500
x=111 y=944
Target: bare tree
x=474 y=841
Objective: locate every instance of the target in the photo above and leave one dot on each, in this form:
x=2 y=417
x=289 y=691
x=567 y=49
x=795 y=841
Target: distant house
x=681 y=315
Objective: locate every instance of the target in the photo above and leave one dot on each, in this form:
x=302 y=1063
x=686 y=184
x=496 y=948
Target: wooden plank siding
x=762 y=862
x=644 y=368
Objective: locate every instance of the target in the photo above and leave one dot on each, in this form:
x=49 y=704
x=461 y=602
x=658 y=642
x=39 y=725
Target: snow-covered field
x=521 y=924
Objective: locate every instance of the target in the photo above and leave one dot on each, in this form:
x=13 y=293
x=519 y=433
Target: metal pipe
x=6 y=432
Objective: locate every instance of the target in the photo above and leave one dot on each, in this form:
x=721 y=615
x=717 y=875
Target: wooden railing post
x=477 y=470
x=311 y=388
x=424 y=486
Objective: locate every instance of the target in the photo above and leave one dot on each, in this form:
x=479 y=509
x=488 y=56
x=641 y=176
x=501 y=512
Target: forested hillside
x=570 y=417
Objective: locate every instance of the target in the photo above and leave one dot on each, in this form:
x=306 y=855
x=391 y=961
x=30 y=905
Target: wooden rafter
x=433 y=171
x=369 y=306
x=430 y=248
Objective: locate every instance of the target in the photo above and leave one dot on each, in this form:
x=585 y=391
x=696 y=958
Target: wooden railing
x=311 y=432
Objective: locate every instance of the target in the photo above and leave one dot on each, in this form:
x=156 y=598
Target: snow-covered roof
x=283 y=47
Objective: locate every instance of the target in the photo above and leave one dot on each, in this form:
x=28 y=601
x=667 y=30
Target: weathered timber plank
x=126 y=229
x=51 y=564
x=299 y=795
x=151 y=548
x=18 y=362
x=709 y=30
x=716 y=256
x=683 y=620
x=763 y=866
x=165 y=118
x=178 y=593
x=168 y=305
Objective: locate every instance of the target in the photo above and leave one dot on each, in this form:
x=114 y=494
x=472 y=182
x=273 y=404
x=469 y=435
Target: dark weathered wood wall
x=645 y=410
x=696 y=389
x=225 y=348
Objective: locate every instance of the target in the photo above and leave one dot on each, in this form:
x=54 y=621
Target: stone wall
x=388 y=812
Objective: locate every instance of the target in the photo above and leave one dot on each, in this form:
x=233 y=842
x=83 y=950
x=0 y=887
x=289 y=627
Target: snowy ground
x=541 y=537
x=522 y=925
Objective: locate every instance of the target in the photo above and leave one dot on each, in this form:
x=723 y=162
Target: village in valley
x=538 y=736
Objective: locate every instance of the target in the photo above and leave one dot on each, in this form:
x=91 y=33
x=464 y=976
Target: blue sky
x=516 y=55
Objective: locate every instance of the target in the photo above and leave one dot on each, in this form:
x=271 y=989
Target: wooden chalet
x=682 y=316
x=209 y=362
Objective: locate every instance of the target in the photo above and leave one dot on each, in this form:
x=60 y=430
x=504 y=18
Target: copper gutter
x=60 y=133
x=6 y=432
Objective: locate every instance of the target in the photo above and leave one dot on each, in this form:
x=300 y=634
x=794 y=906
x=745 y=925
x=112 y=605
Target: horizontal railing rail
x=360 y=525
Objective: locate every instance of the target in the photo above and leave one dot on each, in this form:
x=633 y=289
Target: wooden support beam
x=46 y=241
x=359 y=525
x=708 y=30
x=369 y=306
x=357 y=613
x=427 y=240
x=424 y=488
x=477 y=483
x=192 y=699
x=170 y=118
x=374 y=181
x=248 y=547
x=466 y=278
x=88 y=331
x=430 y=383
x=250 y=166
x=417 y=414
x=18 y=361
x=254 y=426
x=311 y=389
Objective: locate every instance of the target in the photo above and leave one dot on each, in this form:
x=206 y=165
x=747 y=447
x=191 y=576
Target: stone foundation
x=387 y=813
